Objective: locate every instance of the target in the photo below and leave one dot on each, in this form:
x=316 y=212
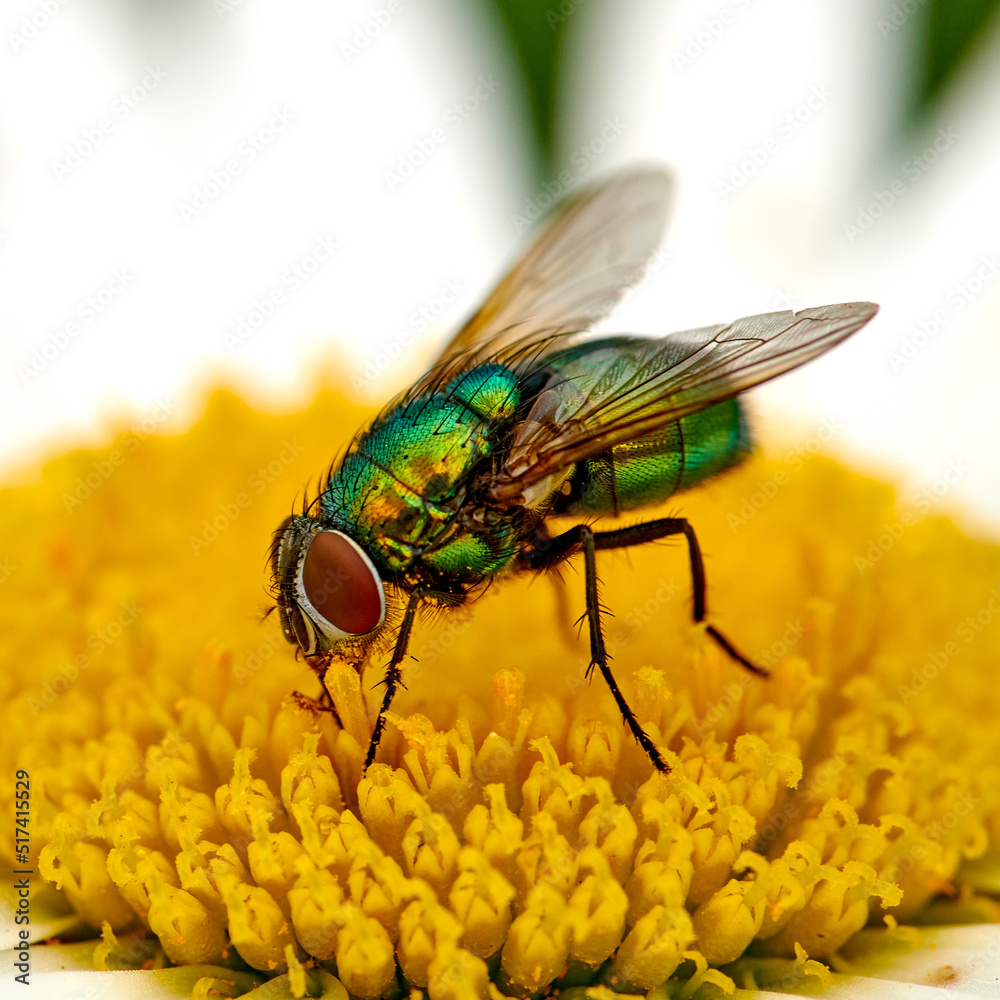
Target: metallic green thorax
x=413 y=488
x=405 y=488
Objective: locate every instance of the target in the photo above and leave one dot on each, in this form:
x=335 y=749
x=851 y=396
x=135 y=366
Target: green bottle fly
x=524 y=418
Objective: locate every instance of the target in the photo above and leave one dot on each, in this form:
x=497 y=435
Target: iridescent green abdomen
x=400 y=487
x=650 y=469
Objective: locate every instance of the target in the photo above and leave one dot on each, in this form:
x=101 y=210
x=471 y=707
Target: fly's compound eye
x=340 y=584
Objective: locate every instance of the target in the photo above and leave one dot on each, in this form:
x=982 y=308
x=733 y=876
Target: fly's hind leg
x=664 y=527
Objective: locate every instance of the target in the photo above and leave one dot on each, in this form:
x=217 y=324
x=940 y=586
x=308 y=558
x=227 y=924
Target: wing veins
x=686 y=373
x=575 y=272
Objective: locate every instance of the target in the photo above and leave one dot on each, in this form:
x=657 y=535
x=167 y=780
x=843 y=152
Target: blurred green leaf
x=950 y=30
x=535 y=30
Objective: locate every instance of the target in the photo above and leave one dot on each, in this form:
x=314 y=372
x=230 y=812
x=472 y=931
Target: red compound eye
x=341 y=584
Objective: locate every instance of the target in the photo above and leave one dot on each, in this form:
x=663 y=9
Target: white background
x=703 y=87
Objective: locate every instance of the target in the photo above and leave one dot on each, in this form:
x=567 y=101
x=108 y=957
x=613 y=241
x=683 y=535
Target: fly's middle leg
x=664 y=527
x=552 y=551
x=599 y=653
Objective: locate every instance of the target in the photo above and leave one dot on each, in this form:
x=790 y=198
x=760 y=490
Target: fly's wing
x=596 y=247
x=618 y=393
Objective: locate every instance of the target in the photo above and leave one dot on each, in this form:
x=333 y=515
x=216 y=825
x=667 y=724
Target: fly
x=522 y=418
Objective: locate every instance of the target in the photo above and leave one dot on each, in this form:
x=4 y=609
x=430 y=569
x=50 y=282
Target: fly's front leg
x=324 y=703
x=321 y=705
x=393 y=676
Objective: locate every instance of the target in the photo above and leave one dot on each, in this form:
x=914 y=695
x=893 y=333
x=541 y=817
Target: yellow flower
x=511 y=839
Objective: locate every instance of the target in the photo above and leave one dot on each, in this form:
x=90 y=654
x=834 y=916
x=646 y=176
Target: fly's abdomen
x=650 y=469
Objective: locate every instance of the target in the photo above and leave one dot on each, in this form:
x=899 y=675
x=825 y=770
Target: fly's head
x=328 y=591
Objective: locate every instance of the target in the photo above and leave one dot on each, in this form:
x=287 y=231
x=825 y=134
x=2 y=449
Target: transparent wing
x=623 y=391
x=596 y=247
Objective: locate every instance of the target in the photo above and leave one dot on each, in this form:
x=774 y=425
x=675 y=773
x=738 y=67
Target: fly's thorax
x=329 y=592
x=416 y=541
x=404 y=486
